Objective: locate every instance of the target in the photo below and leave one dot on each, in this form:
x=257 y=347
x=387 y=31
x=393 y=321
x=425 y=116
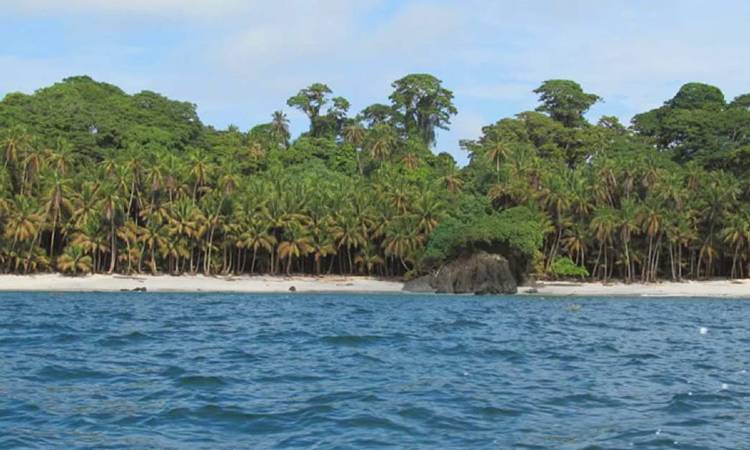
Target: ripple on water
x=370 y=421
x=135 y=337
x=238 y=419
x=582 y=400
x=457 y=325
x=686 y=403
x=503 y=354
x=494 y=411
x=55 y=373
x=352 y=340
x=365 y=371
x=201 y=381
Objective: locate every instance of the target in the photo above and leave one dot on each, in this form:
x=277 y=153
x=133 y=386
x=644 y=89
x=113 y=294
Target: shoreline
x=53 y=282
x=723 y=288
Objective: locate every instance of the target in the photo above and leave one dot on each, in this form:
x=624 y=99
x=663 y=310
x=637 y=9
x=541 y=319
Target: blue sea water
x=215 y=371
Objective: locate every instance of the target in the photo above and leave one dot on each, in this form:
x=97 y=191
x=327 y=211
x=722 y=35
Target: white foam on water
x=724 y=386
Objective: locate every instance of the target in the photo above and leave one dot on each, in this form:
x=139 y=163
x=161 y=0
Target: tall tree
x=280 y=128
x=310 y=101
x=422 y=105
x=565 y=101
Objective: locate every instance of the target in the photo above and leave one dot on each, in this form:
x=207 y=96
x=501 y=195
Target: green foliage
x=93 y=179
x=515 y=230
x=698 y=96
x=564 y=267
x=565 y=101
x=311 y=100
x=421 y=104
x=697 y=125
x=96 y=116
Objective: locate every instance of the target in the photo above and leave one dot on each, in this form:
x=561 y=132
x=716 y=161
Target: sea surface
x=218 y=371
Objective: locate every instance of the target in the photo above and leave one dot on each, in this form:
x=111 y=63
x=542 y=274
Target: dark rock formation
x=421 y=284
x=480 y=273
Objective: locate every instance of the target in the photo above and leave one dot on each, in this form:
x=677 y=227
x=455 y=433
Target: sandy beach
x=194 y=283
x=711 y=288
x=330 y=283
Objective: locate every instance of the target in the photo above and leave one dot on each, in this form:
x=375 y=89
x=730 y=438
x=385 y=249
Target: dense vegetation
x=95 y=180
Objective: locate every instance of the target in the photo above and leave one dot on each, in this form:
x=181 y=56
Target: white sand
x=713 y=288
x=201 y=283
x=195 y=283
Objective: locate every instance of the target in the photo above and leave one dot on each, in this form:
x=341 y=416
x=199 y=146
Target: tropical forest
x=95 y=180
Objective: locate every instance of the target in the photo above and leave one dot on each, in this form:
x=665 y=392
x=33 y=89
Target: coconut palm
x=58 y=204
x=74 y=260
x=368 y=259
x=297 y=243
x=280 y=128
x=355 y=134
x=256 y=235
x=496 y=153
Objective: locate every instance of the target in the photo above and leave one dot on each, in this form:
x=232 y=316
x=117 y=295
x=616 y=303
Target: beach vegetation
x=93 y=179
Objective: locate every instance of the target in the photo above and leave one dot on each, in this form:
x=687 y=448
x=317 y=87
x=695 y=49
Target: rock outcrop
x=480 y=273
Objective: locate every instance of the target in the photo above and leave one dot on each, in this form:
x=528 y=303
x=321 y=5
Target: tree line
x=96 y=180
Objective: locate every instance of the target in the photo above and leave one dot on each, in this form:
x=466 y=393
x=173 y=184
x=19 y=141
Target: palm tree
x=354 y=134
x=23 y=223
x=681 y=233
x=129 y=233
x=321 y=246
x=401 y=240
x=453 y=181
x=737 y=234
x=382 y=141
x=152 y=238
x=497 y=152
x=57 y=204
x=16 y=142
x=297 y=243
x=574 y=242
x=428 y=210
x=85 y=201
x=227 y=185
x=32 y=165
x=174 y=249
x=62 y=157
x=280 y=128
x=410 y=160
x=629 y=225
x=74 y=260
x=111 y=206
x=93 y=239
x=602 y=225
x=368 y=259
x=255 y=235
x=652 y=218
x=347 y=234
x=200 y=171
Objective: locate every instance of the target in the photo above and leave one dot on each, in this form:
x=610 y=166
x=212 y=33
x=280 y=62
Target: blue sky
x=239 y=60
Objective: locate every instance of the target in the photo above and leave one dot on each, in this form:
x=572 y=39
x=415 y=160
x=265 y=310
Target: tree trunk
x=113 y=243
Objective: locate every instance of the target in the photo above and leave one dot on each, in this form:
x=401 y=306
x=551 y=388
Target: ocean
x=229 y=371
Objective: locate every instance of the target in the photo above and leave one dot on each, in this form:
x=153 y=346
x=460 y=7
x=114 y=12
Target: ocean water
x=216 y=371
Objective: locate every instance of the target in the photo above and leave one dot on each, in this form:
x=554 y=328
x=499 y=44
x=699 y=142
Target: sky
x=239 y=60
